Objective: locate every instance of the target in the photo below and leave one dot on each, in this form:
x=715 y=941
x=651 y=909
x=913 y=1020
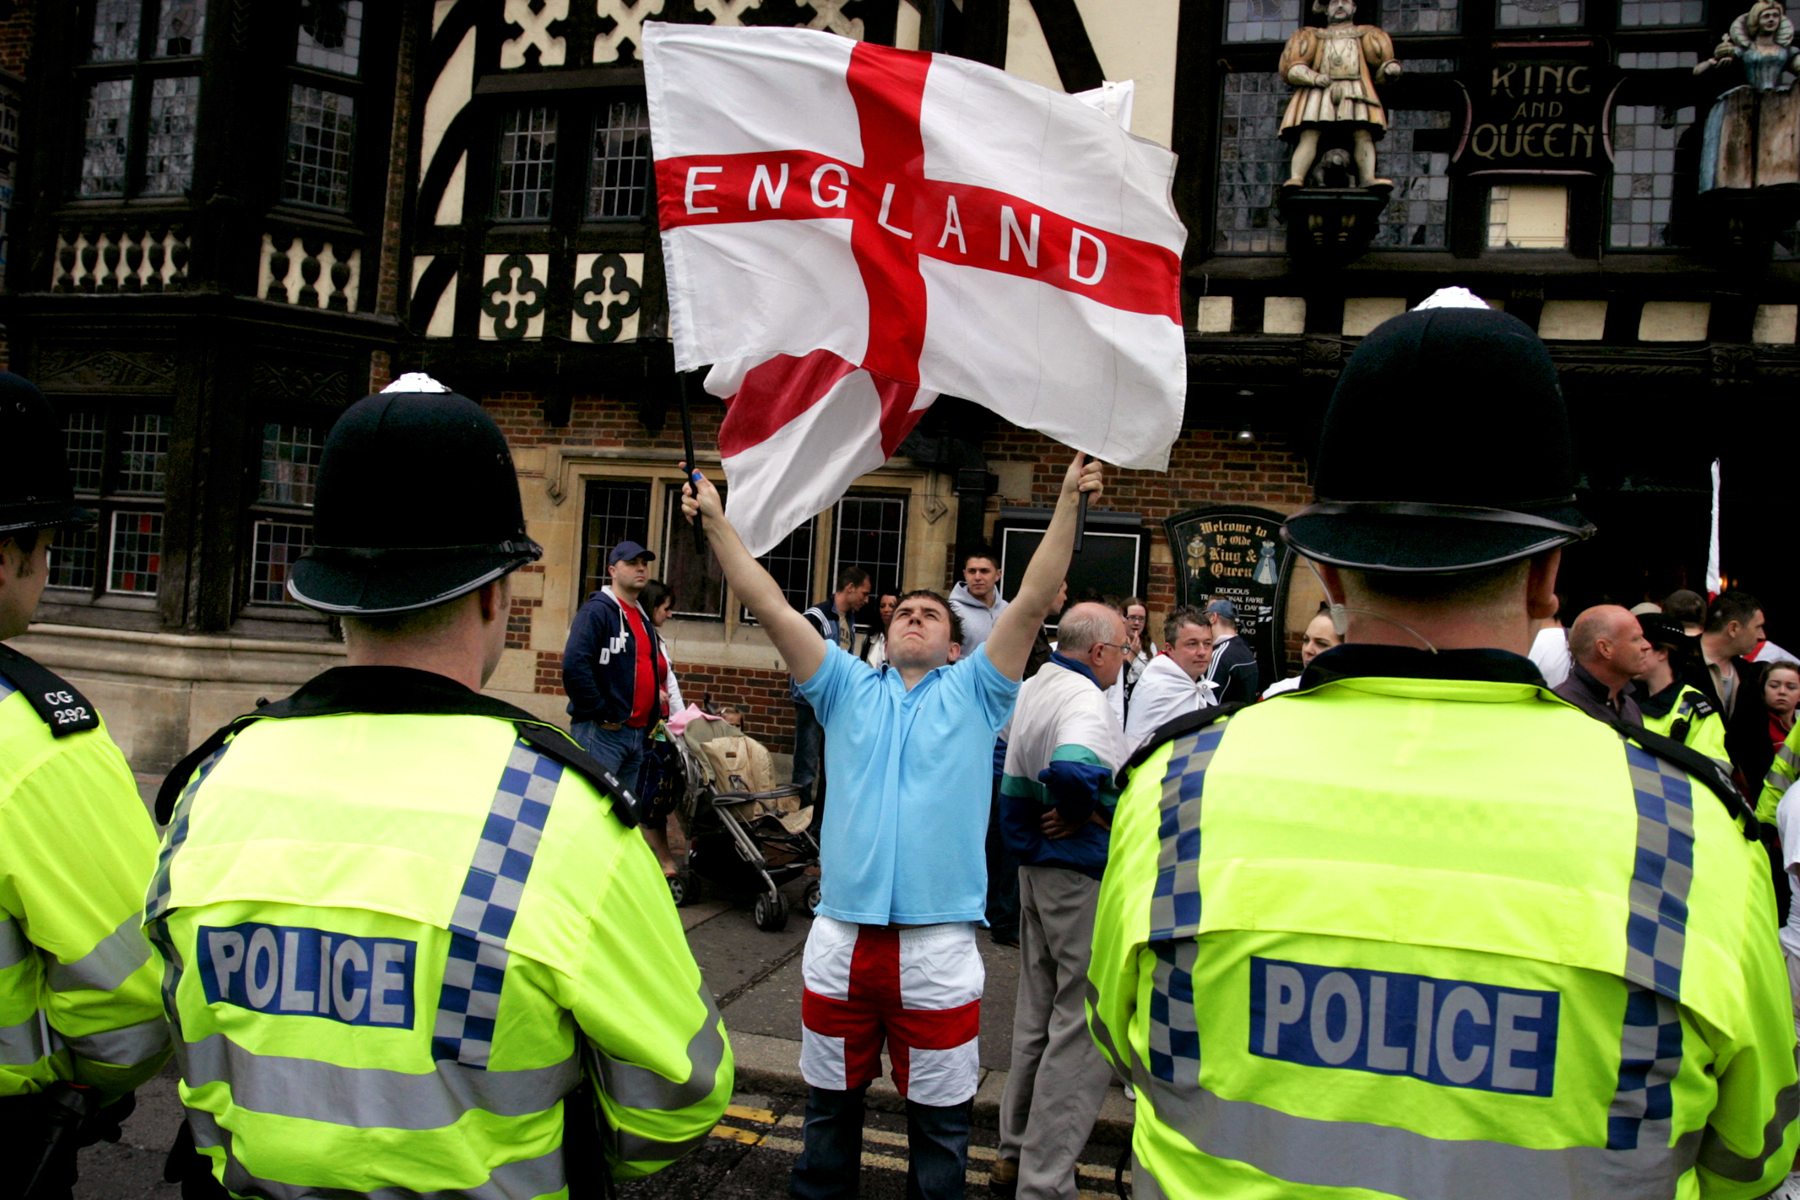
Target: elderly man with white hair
x=1056 y=799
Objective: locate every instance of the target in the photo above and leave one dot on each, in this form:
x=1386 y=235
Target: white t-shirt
x=1787 y=823
x=1550 y=651
x=1284 y=685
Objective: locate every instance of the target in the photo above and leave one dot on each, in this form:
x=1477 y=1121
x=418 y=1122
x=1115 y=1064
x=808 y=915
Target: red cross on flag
x=851 y=230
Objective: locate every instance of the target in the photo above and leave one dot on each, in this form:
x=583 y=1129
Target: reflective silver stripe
x=107 y=966
x=1400 y=1162
x=1144 y=1185
x=23 y=1044
x=1784 y=754
x=633 y=1148
x=14 y=949
x=125 y=1047
x=632 y=1086
x=369 y=1097
x=540 y=1176
x=1720 y=1159
x=1102 y=1034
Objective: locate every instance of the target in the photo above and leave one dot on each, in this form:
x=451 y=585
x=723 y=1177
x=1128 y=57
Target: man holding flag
x=892 y=955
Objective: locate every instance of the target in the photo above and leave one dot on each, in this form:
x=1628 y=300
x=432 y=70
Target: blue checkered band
x=158 y=904
x=1649 y=1058
x=1175 y=904
x=1656 y=930
x=1174 y=1035
x=469 y=1004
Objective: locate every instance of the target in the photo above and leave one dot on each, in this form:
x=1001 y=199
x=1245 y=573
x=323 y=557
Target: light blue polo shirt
x=910 y=777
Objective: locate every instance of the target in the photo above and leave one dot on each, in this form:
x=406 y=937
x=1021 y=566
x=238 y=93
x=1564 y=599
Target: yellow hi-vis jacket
x=1782 y=773
x=396 y=916
x=1695 y=723
x=77 y=986
x=1421 y=929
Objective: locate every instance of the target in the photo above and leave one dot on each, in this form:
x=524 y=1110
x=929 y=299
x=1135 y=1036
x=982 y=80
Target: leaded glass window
x=621 y=169
x=107 y=138
x=1529 y=14
x=142 y=470
x=1261 y=20
x=790 y=563
x=1252 y=161
x=871 y=533
x=290 y=464
x=615 y=512
x=86 y=445
x=180 y=28
x=1640 y=14
x=1418 y=212
x=169 y=150
x=321 y=130
x=695 y=578
x=1421 y=16
x=1658 y=60
x=330 y=35
x=527 y=165
x=275 y=546
x=75 y=558
x=1644 y=181
x=136 y=552
x=116 y=25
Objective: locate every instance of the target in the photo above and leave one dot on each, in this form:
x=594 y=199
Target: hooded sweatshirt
x=977 y=618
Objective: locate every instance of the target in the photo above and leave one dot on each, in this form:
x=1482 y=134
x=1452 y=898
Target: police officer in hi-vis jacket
x=412 y=944
x=1420 y=928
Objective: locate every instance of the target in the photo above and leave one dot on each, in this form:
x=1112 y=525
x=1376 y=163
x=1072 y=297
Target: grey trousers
x=1058 y=1078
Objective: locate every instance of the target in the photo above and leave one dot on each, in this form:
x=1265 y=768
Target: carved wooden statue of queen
x=1333 y=72
x=1753 y=131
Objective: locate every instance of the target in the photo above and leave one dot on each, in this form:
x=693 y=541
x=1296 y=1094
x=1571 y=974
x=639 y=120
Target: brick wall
x=15 y=37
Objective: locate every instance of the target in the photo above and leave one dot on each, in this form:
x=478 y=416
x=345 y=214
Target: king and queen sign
x=1450 y=1032
x=1537 y=116
x=1235 y=554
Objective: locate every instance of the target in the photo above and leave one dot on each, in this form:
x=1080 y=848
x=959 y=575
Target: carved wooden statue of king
x=1333 y=72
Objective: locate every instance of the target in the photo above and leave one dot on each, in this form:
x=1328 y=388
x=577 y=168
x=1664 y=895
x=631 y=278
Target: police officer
x=402 y=922
x=80 y=1024
x=1472 y=943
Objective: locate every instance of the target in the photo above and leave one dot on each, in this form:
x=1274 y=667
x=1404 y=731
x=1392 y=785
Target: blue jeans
x=830 y=1162
x=620 y=750
x=809 y=757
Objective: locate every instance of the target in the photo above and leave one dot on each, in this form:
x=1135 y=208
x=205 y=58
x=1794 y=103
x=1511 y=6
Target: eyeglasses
x=1122 y=649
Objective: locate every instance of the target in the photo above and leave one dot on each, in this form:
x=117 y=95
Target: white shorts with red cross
x=918 y=990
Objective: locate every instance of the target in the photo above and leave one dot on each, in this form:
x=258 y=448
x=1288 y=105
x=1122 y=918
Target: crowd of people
x=1474 y=906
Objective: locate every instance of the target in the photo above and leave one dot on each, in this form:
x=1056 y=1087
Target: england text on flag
x=856 y=229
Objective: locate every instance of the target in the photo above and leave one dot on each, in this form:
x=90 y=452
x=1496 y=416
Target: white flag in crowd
x=851 y=230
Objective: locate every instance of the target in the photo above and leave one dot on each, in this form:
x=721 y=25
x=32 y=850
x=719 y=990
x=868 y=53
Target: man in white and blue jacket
x=613 y=665
x=1056 y=801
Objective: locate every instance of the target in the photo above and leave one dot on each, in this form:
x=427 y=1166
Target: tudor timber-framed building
x=232 y=217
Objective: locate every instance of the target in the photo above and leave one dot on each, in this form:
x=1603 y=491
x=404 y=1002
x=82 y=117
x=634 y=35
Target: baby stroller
x=744 y=833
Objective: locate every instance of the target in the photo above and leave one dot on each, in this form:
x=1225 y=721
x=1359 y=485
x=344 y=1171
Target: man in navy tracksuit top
x=613 y=665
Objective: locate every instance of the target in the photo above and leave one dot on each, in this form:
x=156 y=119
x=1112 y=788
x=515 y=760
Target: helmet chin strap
x=1340 y=613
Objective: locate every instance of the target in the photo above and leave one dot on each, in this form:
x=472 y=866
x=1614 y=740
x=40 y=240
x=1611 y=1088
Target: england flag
x=850 y=231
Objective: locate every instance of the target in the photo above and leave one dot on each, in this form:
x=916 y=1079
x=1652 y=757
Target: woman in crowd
x=1320 y=636
x=876 y=654
x=1781 y=691
x=659 y=601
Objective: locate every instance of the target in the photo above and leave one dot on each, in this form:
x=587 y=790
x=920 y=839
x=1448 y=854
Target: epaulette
x=547 y=740
x=1699 y=704
x=57 y=702
x=1173 y=728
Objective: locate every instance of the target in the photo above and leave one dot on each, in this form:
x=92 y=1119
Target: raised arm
x=796 y=639
x=1009 y=646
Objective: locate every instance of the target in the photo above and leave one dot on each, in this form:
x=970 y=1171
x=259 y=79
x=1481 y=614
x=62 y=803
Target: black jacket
x=1234 y=672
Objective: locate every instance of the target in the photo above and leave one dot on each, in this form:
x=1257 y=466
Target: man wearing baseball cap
x=1420 y=927
x=613 y=664
x=1233 y=672
x=412 y=942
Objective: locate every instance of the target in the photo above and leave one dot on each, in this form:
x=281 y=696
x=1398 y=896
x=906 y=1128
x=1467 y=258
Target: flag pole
x=1080 y=524
x=687 y=442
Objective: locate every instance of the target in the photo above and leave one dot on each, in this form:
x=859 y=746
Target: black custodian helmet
x=1446 y=448
x=417 y=504
x=36 y=489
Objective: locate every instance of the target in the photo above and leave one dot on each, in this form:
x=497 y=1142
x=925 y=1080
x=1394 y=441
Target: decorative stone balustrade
x=120 y=258
x=309 y=272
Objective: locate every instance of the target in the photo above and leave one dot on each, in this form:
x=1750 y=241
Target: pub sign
x=1532 y=113
x=1236 y=553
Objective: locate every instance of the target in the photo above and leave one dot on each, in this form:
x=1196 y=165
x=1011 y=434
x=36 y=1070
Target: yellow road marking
x=761 y=1116
x=732 y=1133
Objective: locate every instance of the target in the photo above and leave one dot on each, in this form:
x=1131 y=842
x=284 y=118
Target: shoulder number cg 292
x=63 y=709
